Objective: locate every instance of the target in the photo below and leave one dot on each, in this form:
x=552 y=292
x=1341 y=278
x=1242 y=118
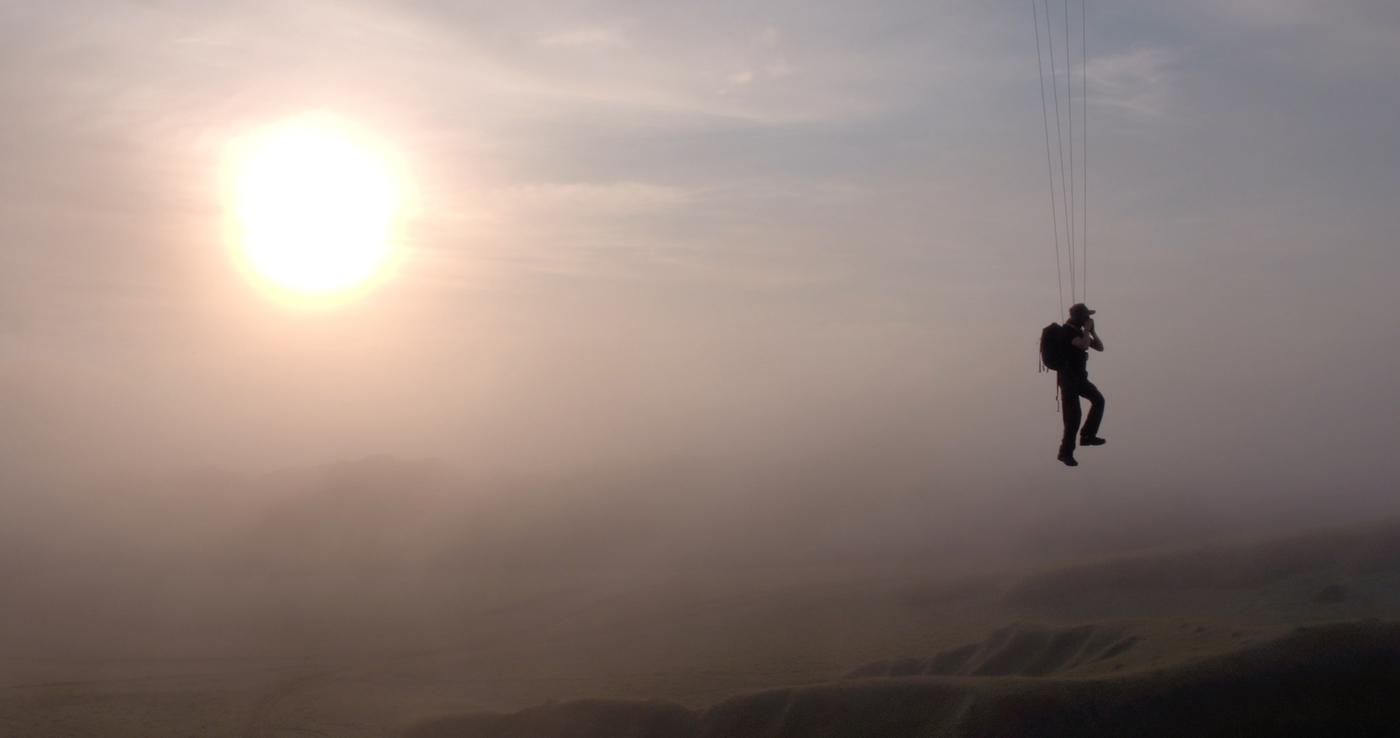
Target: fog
x=760 y=309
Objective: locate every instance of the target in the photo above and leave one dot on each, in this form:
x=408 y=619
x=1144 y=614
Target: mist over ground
x=382 y=555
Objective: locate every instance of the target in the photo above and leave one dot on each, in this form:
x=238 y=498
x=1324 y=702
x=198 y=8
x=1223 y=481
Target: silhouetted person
x=1079 y=336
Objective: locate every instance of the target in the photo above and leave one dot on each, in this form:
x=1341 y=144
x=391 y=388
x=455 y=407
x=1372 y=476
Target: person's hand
x=1088 y=324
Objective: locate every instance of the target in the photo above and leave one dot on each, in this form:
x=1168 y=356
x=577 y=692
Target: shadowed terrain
x=1326 y=680
x=1015 y=651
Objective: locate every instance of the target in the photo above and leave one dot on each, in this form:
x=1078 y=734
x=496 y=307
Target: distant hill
x=1018 y=651
x=1338 y=679
x=1351 y=572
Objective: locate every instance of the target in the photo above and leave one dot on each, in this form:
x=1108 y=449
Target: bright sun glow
x=314 y=206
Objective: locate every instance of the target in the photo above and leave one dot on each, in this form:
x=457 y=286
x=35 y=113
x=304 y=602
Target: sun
x=313 y=203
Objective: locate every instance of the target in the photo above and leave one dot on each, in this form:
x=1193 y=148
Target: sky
x=765 y=238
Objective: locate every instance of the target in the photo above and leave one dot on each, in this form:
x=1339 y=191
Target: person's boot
x=1067 y=458
x=1091 y=441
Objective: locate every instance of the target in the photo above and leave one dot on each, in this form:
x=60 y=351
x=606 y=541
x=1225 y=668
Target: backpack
x=1052 y=348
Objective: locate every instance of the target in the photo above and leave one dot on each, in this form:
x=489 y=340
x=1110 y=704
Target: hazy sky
x=765 y=233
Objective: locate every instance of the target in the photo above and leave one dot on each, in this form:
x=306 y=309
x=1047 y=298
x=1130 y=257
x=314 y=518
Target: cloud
x=1343 y=36
x=590 y=37
x=586 y=199
x=779 y=68
x=765 y=63
x=1136 y=82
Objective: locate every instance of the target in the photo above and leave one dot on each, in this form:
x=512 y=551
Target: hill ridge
x=1336 y=679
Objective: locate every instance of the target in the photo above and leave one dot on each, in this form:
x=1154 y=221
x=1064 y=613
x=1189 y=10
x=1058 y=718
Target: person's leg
x=1069 y=411
x=1096 y=403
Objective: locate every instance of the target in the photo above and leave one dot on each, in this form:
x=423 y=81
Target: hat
x=1080 y=308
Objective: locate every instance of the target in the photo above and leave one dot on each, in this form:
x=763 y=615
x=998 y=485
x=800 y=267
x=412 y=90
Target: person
x=1079 y=335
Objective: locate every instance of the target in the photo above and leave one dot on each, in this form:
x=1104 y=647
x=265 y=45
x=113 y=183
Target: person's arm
x=1092 y=334
x=1082 y=340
